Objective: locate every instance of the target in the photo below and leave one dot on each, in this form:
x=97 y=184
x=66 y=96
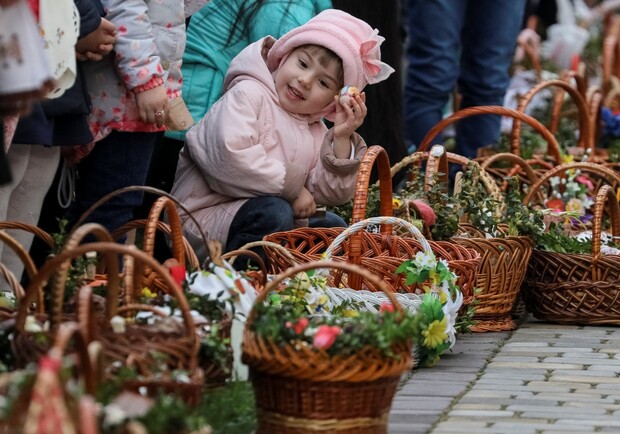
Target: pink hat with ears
x=352 y=39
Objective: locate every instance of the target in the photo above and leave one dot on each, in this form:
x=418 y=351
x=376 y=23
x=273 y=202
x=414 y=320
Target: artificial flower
x=325 y=336
x=146 y=293
x=386 y=307
x=435 y=334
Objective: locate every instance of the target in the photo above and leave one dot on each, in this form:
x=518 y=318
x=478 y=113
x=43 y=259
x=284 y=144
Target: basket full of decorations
x=318 y=370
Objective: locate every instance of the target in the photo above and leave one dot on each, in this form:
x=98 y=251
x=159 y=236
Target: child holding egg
x=261 y=159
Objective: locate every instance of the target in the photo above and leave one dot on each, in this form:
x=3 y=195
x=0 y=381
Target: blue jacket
x=208 y=51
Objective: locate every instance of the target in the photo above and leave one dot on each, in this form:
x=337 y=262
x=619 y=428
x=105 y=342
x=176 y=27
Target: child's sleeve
x=137 y=58
x=332 y=181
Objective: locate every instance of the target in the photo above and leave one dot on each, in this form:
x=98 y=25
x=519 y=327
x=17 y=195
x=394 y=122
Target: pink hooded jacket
x=248 y=146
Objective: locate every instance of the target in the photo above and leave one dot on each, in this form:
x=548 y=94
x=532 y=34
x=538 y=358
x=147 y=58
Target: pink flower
x=585 y=181
x=386 y=307
x=325 y=336
x=299 y=326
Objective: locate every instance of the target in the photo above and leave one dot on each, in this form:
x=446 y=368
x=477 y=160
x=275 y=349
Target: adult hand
x=151 y=104
x=304 y=206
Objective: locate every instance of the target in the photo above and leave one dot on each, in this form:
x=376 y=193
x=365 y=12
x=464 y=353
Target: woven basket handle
x=607 y=195
x=176 y=231
x=350 y=269
x=29 y=266
x=190 y=255
x=35 y=230
x=585 y=132
x=70 y=332
x=145 y=189
x=436 y=167
x=58 y=292
x=611 y=176
x=111 y=250
x=554 y=147
x=374 y=154
x=355 y=280
x=516 y=160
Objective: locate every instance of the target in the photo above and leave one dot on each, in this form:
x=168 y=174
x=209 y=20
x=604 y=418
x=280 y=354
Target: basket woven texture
x=304 y=390
x=578 y=288
x=380 y=253
x=44 y=406
x=139 y=344
x=503 y=259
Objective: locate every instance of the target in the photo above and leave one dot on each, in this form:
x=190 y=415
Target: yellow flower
x=396 y=203
x=147 y=293
x=434 y=290
x=435 y=334
x=568 y=158
x=350 y=313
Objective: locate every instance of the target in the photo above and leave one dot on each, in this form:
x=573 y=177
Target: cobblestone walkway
x=540 y=379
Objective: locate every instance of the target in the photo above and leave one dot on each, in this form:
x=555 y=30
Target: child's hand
x=97 y=43
x=350 y=116
x=304 y=206
x=151 y=104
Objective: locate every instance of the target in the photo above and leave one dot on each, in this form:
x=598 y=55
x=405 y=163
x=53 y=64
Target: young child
x=261 y=157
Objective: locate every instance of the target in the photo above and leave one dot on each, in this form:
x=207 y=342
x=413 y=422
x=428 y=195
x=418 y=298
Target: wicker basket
x=504 y=259
x=381 y=253
x=137 y=344
x=43 y=405
x=578 y=288
x=304 y=391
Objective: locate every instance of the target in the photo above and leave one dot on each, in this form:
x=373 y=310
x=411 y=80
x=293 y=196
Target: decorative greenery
x=446 y=208
x=345 y=211
x=338 y=329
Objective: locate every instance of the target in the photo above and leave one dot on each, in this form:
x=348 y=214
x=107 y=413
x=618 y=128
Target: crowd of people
x=112 y=91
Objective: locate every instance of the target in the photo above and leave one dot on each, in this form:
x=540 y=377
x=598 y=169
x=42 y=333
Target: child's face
x=304 y=86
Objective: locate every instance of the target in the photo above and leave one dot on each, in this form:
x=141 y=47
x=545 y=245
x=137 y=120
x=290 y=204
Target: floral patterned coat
x=148 y=51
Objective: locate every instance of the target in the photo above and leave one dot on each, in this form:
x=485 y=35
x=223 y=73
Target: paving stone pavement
x=542 y=378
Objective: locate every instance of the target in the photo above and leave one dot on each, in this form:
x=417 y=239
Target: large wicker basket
x=578 y=288
x=381 y=253
x=299 y=391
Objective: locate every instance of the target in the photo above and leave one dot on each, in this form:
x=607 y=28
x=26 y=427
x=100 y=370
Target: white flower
x=118 y=323
x=450 y=310
x=425 y=260
x=31 y=325
x=113 y=415
x=554 y=181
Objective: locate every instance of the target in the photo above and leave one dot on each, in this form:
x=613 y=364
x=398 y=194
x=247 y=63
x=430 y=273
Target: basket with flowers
x=317 y=367
x=474 y=216
x=574 y=274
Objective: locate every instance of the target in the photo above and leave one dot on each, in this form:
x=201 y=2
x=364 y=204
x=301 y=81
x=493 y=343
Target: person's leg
x=433 y=43
x=330 y=220
x=489 y=41
x=120 y=160
x=34 y=167
x=258 y=217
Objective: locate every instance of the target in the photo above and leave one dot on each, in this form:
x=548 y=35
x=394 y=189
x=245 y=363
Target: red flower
x=178 y=273
x=386 y=307
x=299 y=326
x=325 y=336
x=555 y=204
